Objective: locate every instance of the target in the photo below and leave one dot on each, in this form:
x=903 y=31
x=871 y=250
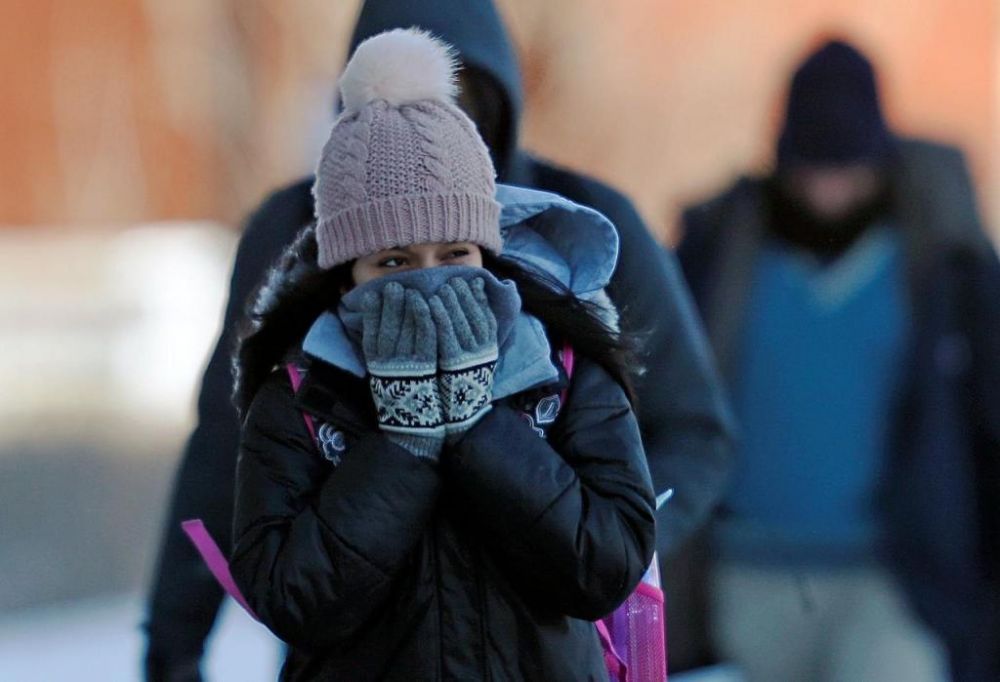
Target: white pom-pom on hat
x=399 y=66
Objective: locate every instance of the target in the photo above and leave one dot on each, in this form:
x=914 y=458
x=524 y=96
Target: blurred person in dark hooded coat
x=853 y=302
x=684 y=419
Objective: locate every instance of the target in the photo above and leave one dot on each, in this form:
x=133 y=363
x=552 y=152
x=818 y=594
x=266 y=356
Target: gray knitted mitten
x=467 y=352
x=400 y=348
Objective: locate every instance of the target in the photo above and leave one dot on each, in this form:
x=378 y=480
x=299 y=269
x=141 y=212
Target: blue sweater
x=819 y=369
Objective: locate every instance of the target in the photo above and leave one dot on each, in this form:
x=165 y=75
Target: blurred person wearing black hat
x=681 y=410
x=853 y=302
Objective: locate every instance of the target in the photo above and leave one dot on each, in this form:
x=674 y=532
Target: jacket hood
x=574 y=243
x=476 y=31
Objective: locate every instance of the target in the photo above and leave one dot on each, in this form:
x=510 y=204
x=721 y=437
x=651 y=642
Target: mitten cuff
x=406 y=403
x=455 y=431
x=470 y=360
x=420 y=446
x=467 y=395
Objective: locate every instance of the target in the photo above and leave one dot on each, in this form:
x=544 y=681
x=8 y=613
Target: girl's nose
x=428 y=261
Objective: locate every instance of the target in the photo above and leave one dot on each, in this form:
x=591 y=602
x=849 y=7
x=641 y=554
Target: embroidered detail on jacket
x=542 y=414
x=547 y=409
x=332 y=443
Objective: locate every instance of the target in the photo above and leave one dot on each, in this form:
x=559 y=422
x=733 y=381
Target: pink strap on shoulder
x=568 y=359
x=296 y=378
x=206 y=546
x=216 y=562
x=612 y=660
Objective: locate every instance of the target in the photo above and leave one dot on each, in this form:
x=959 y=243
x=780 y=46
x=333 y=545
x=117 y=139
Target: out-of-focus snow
x=100 y=640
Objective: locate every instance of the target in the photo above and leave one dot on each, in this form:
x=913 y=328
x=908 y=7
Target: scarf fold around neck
x=525 y=354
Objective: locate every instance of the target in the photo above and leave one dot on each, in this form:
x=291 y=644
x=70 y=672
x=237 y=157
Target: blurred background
x=136 y=135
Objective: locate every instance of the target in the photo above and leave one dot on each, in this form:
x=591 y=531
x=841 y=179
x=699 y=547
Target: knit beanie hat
x=833 y=115
x=403 y=165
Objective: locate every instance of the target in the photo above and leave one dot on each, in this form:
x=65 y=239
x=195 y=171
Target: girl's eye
x=458 y=253
x=391 y=262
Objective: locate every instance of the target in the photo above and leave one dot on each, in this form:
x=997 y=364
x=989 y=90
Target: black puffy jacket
x=487 y=566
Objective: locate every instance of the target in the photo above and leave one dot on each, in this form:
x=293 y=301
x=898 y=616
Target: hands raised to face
x=431 y=361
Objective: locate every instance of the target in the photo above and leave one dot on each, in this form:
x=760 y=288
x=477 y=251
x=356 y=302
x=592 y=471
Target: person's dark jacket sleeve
x=985 y=337
x=185 y=598
x=682 y=409
x=572 y=516
x=698 y=247
x=317 y=548
x=986 y=361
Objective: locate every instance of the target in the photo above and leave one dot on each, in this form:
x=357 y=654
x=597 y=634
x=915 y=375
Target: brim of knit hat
x=404 y=220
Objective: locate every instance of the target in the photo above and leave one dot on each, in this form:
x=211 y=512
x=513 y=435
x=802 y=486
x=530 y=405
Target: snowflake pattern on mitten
x=467 y=352
x=406 y=403
x=400 y=348
x=466 y=392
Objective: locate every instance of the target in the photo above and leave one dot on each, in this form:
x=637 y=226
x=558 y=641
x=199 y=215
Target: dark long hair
x=296 y=291
x=584 y=324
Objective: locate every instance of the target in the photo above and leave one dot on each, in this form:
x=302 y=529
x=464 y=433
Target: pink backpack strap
x=568 y=359
x=617 y=669
x=214 y=559
x=295 y=374
x=206 y=545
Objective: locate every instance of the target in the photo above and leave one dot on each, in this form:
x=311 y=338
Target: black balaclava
x=833 y=118
x=792 y=221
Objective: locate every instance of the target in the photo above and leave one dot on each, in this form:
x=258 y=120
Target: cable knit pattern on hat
x=434 y=152
x=403 y=165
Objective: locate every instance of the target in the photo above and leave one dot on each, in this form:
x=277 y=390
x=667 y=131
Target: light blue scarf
x=525 y=355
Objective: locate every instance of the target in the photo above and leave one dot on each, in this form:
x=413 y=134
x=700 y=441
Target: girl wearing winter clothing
x=458 y=504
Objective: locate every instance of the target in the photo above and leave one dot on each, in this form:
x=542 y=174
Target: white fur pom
x=402 y=65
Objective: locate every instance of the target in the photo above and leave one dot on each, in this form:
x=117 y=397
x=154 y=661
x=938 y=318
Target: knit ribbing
x=409 y=219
